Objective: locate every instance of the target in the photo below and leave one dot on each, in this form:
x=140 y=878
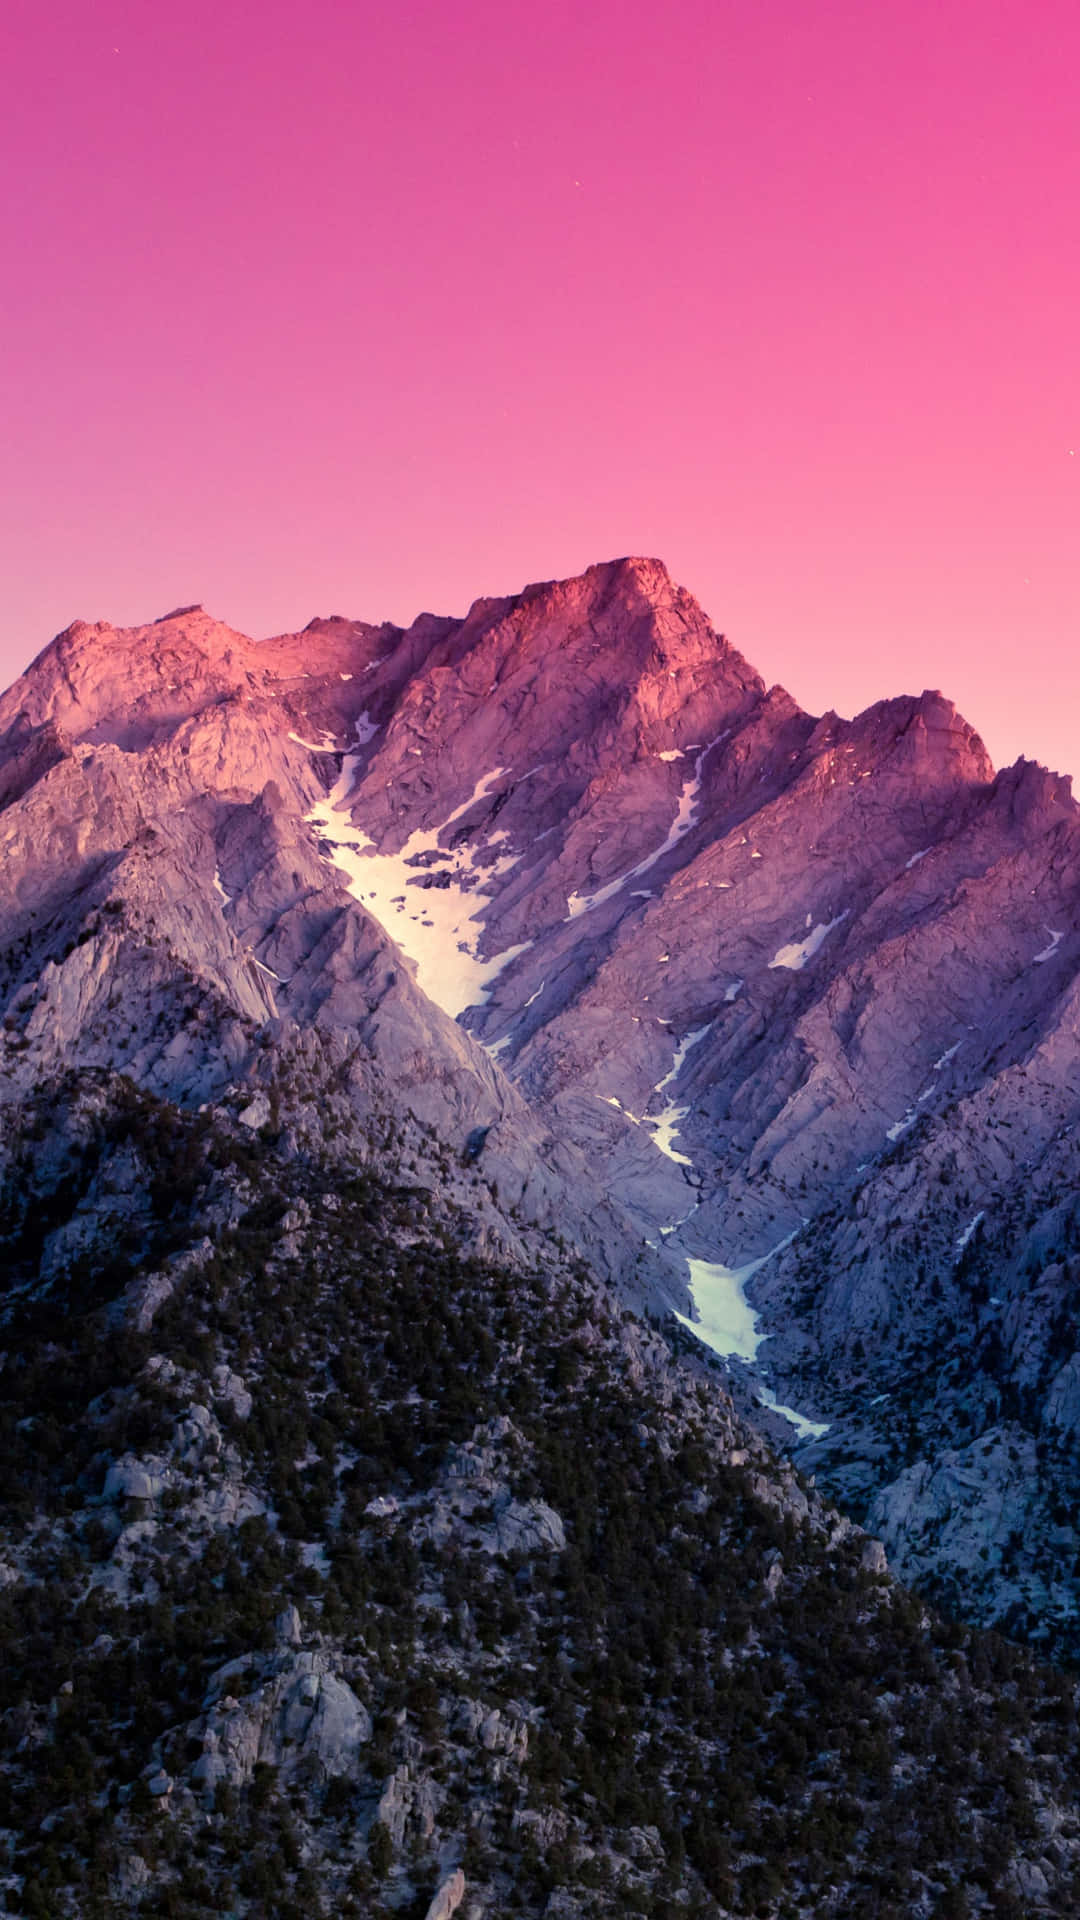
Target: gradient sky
x=369 y=309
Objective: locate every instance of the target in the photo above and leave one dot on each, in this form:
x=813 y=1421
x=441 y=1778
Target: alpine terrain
x=540 y=1226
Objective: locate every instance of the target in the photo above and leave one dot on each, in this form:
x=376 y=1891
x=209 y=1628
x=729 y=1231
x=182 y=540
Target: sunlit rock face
x=786 y=1003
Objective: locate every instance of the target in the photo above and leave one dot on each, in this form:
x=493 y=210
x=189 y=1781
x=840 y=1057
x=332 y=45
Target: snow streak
x=579 y=903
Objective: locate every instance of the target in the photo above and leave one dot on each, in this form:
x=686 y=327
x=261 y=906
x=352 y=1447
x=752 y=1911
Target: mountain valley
x=474 y=1096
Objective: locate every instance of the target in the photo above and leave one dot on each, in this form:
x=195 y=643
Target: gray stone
x=256 y=1114
x=449 y=1897
x=303 y=1715
x=288 y=1630
x=529 y=1526
x=131 y=1479
x=228 y=1386
x=873 y=1557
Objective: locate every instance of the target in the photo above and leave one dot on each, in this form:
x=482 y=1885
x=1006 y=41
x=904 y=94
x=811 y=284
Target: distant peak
x=77 y=627
x=642 y=566
x=178 y=613
x=1032 y=789
x=638 y=573
x=603 y=575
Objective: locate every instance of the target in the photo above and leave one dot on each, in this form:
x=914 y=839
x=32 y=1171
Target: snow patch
x=794 y=957
x=480 y=792
x=899 y=1127
x=733 y=991
x=665 y=1125
x=438 y=927
x=969 y=1230
x=226 y=898
x=1048 y=953
x=682 y=1220
x=805 y=1428
x=326 y=745
x=726 y=1321
x=663 y=1128
x=946 y=1057
x=915 y=858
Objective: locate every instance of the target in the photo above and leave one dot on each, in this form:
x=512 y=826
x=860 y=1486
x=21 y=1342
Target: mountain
x=383 y=1012
x=782 y=979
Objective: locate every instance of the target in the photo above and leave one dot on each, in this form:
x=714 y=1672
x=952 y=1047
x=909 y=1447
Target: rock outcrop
x=449 y=1897
x=300 y=1715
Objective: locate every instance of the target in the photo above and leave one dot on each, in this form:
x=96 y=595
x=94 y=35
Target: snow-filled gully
x=579 y=903
x=437 y=926
x=440 y=928
x=729 y=1324
x=665 y=1124
x=725 y=1321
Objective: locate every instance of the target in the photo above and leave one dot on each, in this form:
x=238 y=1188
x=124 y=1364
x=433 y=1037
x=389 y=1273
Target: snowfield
x=437 y=926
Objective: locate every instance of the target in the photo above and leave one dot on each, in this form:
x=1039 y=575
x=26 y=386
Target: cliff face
x=688 y=975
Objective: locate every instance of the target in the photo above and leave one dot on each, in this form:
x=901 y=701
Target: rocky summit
x=536 y=1185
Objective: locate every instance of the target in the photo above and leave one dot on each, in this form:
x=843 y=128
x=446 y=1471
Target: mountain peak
x=650 y=574
x=180 y=613
x=761 y=975
x=640 y=571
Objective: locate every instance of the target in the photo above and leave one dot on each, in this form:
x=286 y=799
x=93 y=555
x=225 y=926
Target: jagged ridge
x=769 y=970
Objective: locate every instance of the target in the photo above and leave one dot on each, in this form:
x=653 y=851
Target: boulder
x=256 y=1114
x=528 y=1526
x=449 y=1897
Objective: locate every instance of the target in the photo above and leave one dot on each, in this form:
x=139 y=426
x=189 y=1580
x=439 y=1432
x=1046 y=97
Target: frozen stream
x=725 y=1321
x=729 y=1325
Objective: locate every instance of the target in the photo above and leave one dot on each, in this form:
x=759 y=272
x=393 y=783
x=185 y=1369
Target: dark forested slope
x=343 y=1567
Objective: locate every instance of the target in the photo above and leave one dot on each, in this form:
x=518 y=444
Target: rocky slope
x=168 y=912
x=344 y=1572
x=691 y=976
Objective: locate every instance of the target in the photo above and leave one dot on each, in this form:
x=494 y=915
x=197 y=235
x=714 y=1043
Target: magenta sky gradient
x=345 y=308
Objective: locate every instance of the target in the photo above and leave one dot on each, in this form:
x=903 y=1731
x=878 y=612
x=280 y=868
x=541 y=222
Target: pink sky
x=345 y=308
